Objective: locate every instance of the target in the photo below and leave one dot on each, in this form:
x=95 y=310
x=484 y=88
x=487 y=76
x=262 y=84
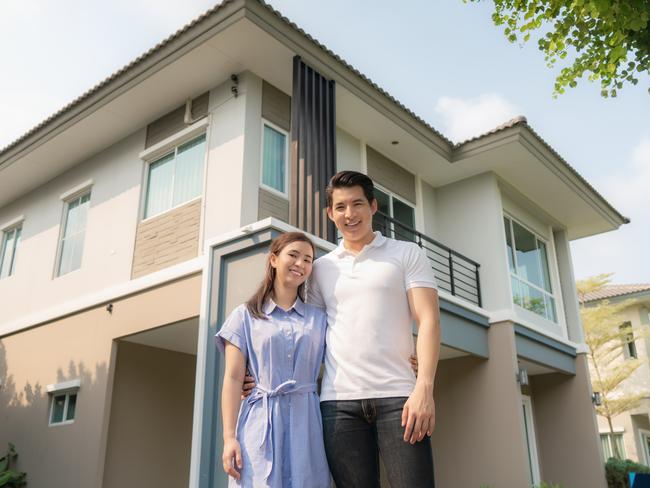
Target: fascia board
x=150 y=63
x=529 y=141
x=332 y=67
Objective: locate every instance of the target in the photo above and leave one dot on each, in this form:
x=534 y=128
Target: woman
x=277 y=439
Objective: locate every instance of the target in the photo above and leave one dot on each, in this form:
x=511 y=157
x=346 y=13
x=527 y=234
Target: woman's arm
x=230 y=403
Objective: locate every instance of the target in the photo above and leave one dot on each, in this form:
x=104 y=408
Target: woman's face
x=293 y=264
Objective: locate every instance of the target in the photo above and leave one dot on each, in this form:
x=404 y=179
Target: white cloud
x=464 y=118
x=625 y=251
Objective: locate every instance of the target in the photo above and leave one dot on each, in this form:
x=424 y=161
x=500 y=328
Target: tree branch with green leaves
x=609 y=40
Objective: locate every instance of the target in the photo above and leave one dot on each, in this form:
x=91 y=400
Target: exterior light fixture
x=522 y=377
x=596 y=399
x=394 y=143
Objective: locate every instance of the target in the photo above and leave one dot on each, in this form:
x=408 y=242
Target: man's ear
x=330 y=213
x=373 y=206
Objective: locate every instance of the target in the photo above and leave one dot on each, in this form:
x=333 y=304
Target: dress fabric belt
x=266 y=396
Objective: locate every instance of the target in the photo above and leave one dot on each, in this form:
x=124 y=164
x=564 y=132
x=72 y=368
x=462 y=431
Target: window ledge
x=65 y=386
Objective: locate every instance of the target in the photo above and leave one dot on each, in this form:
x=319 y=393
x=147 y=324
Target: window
x=72 y=236
x=612 y=445
x=529 y=271
x=629 y=346
x=401 y=212
x=645 y=445
x=63 y=408
x=10 y=241
x=274 y=158
x=531 y=443
x=175 y=178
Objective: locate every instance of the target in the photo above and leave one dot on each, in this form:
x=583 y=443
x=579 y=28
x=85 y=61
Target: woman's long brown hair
x=255 y=304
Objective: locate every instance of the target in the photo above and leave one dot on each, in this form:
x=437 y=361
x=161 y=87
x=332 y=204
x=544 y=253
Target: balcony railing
x=454 y=272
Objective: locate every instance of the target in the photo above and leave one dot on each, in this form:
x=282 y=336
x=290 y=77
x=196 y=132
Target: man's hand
x=247 y=387
x=419 y=414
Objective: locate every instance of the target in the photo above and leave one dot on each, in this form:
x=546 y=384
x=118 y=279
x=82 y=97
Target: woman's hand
x=232 y=462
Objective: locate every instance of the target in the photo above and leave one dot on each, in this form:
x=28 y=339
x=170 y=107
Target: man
x=372 y=287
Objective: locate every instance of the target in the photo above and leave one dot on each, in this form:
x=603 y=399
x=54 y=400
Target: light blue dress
x=279 y=426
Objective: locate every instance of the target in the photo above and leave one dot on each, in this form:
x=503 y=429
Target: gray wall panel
x=276 y=106
x=173 y=121
x=390 y=175
x=270 y=205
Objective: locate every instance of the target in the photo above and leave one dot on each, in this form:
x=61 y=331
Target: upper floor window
x=175 y=178
x=401 y=212
x=72 y=237
x=529 y=270
x=63 y=408
x=10 y=242
x=275 y=154
x=629 y=346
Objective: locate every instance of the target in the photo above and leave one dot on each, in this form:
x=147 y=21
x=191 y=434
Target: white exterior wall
x=468 y=218
x=233 y=169
x=108 y=243
x=230 y=201
x=350 y=152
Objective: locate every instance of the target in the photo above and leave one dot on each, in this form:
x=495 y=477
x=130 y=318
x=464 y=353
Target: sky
x=444 y=59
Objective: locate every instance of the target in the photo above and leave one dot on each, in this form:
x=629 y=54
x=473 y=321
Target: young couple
x=362 y=298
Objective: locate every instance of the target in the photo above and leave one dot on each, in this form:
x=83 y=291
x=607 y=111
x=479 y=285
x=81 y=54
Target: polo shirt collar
x=298 y=306
x=378 y=240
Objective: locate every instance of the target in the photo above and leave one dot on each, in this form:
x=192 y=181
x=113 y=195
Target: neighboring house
x=632 y=429
x=136 y=217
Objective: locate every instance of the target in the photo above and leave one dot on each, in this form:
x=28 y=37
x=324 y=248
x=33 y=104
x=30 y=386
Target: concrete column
x=479 y=437
x=568 y=285
x=567 y=434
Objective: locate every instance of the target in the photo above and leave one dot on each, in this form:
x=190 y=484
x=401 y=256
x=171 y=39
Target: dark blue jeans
x=357 y=432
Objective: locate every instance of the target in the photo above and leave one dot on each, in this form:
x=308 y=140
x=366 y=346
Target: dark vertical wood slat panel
x=295 y=150
x=313 y=156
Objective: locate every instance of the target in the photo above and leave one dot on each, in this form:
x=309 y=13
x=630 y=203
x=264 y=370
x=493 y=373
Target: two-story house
x=631 y=437
x=135 y=218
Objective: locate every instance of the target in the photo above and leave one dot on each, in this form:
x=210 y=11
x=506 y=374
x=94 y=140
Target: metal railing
x=454 y=272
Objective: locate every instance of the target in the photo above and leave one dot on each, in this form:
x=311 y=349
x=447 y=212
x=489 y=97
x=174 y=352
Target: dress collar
x=298 y=306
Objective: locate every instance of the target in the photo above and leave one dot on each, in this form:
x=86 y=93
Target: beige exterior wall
x=479 y=437
x=150 y=428
x=78 y=346
x=390 y=175
x=166 y=239
x=569 y=449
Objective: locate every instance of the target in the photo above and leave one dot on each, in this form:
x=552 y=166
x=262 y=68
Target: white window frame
x=608 y=435
x=68 y=197
x=7 y=227
x=164 y=148
x=644 y=437
x=66 y=388
x=547 y=244
x=531 y=438
x=629 y=344
x=285 y=194
x=392 y=195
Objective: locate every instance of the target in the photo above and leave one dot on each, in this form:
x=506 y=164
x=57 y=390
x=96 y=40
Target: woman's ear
x=273 y=260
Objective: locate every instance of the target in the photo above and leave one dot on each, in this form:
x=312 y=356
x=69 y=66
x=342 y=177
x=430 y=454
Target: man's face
x=352 y=213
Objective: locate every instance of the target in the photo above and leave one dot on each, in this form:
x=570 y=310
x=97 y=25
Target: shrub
x=616 y=472
x=10 y=478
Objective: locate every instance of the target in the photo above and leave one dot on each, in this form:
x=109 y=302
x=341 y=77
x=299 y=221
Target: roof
x=521 y=121
x=516 y=122
x=612 y=291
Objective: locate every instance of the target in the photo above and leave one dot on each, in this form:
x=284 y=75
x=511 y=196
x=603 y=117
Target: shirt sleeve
x=233 y=331
x=418 y=272
x=314 y=295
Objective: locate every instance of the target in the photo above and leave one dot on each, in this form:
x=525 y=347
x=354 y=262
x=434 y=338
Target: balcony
x=455 y=273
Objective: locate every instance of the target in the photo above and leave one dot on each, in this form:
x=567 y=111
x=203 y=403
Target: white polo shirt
x=369 y=335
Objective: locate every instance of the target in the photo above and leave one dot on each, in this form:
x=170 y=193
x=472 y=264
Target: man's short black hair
x=348 y=179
